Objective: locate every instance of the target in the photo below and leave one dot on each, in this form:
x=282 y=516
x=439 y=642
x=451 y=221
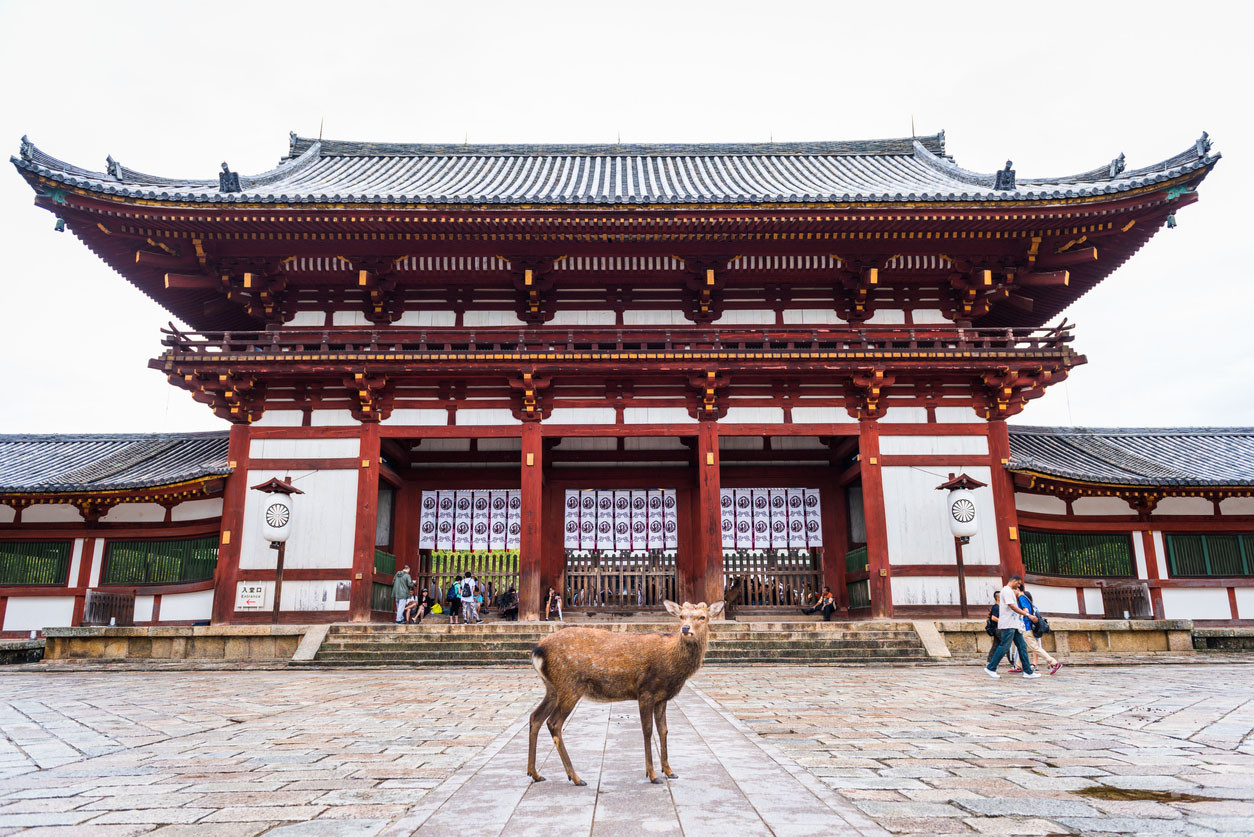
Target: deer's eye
x=702 y=618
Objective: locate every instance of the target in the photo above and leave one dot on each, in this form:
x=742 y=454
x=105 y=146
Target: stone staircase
x=510 y=643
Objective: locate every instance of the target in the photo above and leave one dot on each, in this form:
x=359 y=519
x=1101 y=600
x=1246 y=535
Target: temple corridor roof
x=905 y=170
x=1171 y=456
x=42 y=464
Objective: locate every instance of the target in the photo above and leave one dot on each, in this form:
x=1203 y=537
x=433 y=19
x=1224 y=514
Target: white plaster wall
x=811 y=316
x=747 y=316
x=657 y=415
x=582 y=318
x=332 y=418
x=7 y=514
x=925 y=590
x=905 y=415
x=754 y=415
x=938 y=445
x=304 y=448
x=1196 y=603
x=646 y=318
x=1184 y=505
x=34 y=613
x=1229 y=505
x=490 y=319
x=582 y=415
x=980 y=590
x=280 y=418
x=187 y=607
x=822 y=415
x=307 y=319
x=430 y=319
x=310 y=595
x=418 y=418
x=349 y=318
x=796 y=443
x=1039 y=503
x=76 y=562
x=653 y=443
x=741 y=443
x=929 y=316
x=143 y=608
x=1245 y=603
x=1160 y=552
x=197 y=509
x=1092 y=601
x=51 y=513
x=97 y=563
x=890 y=316
x=496 y=443
x=323 y=522
x=956 y=415
x=917 y=522
x=587 y=443
x=480 y=418
x=134 y=513
x=1100 y=505
x=429 y=445
x=1051 y=600
x=1138 y=554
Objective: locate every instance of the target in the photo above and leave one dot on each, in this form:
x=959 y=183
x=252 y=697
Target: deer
x=606 y=666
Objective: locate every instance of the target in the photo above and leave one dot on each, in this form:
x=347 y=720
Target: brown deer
x=607 y=666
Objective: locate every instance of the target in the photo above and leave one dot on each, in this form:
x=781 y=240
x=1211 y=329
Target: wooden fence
x=774 y=577
x=604 y=581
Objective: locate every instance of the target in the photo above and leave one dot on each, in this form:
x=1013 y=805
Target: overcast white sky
x=176 y=88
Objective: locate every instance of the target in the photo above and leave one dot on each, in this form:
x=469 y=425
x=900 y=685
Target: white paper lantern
x=276 y=517
x=963 y=519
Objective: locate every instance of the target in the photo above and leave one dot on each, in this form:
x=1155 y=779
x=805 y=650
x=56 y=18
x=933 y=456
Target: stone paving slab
x=932 y=750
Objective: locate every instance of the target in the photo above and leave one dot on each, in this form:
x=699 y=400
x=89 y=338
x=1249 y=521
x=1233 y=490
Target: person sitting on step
x=825 y=605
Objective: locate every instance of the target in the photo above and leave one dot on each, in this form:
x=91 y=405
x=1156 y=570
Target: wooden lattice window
x=160 y=562
x=1078 y=554
x=34 y=562
x=1212 y=554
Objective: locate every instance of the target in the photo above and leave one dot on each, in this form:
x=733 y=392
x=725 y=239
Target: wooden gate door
x=619 y=582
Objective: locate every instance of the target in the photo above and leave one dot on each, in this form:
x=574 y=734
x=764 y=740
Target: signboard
x=252 y=595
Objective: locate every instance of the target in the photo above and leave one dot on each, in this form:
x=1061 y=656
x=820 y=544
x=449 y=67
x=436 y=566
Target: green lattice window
x=1228 y=554
x=160 y=562
x=34 y=562
x=1081 y=554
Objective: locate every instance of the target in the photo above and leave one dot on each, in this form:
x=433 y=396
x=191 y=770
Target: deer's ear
x=716 y=609
x=671 y=607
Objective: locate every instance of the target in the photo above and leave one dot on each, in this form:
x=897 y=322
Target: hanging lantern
x=276 y=509
x=960 y=505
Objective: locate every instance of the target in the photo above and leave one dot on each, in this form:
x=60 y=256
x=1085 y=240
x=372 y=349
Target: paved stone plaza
x=935 y=750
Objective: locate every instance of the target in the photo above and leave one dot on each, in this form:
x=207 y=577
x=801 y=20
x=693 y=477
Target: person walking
x=402 y=583
x=990 y=626
x=1009 y=620
x=1030 y=638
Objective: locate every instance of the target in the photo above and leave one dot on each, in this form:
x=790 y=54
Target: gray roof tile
x=108 y=462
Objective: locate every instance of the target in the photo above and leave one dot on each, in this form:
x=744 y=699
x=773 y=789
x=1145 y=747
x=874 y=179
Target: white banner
x=482 y=503
x=513 y=532
x=728 y=525
x=588 y=528
x=427 y=518
x=462 y=533
x=464 y=503
x=496 y=534
x=761 y=531
x=479 y=529
x=656 y=523
x=500 y=503
x=570 y=521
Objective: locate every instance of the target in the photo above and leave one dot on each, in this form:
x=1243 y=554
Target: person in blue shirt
x=1029 y=637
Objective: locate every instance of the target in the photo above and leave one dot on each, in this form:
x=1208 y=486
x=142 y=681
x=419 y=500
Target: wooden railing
x=104 y=608
x=773 y=578
x=496 y=571
x=600 y=339
x=601 y=581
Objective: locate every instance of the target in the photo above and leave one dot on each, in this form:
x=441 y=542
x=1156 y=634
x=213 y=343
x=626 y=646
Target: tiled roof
x=893 y=170
x=1191 y=456
x=36 y=464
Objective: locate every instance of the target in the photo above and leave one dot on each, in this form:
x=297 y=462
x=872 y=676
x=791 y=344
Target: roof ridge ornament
x=27 y=148
x=113 y=167
x=1202 y=145
x=1117 y=165
x=228 y=181
x=1005 y=179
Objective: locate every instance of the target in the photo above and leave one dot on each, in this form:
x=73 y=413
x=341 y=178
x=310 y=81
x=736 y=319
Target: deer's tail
x=537 y=660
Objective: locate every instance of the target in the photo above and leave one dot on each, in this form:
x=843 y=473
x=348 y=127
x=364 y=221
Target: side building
x=626 y=372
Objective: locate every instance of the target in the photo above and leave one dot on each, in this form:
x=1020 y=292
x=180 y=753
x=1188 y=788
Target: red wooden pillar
x=227 y=572
x=1151 y=574
x=553 y=561
x=835 y=541
x=876 y=522
x=1006 y=517
x=367 y=512
x=707 y=563
x=83 y=581
x=531 y=541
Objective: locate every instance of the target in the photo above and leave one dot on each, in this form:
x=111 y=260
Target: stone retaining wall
x=1081 y=636
x=227 y=643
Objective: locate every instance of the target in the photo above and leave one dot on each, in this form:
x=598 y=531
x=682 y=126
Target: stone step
x=400 y=647
x=457 y=636
x=459 y=657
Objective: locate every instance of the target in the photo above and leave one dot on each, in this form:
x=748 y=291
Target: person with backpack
x=1009 y=622
x=470 y=609
x=1033 y=630
x=453 y=600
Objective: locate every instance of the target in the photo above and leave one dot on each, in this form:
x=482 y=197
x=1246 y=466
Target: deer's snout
x=685 y=630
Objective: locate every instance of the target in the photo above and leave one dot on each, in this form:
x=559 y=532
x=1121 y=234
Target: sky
x=175 y=89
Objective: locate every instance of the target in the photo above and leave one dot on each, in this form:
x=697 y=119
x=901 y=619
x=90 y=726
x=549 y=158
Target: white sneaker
x=1032 y=676
x=992 y=673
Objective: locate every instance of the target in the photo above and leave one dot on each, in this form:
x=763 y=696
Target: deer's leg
x=659 y=719
x=646 y=725
x=538 y=717
x=559 y=716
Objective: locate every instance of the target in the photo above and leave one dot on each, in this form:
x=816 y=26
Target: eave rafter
x=1141 y=499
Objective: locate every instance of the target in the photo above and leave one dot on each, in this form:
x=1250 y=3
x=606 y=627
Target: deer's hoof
x=672 y=775
x=580 y=783
x=655 y=780
x=536 y=777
